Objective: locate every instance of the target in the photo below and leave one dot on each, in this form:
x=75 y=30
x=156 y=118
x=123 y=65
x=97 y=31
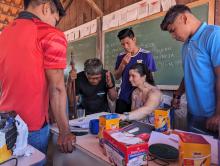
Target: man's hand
x=126 y=59
x=175 y=103
x=73 y=74
x=66 y=142
x=109 y=79
x=122 y=117
x=213 y=123
x=118 y=72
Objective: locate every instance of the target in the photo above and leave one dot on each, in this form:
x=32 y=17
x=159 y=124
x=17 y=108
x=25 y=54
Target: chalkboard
x=82 y=50
x=166 y=51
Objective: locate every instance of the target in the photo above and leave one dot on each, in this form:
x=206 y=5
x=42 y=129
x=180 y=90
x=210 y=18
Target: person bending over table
x=201 y=66
x=93 y=85
x=146 y=97
x=32 y=63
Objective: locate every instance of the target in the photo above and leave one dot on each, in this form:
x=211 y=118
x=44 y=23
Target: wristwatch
x=126 y=114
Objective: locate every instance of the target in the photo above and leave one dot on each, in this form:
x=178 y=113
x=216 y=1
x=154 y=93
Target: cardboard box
x=122 y=154
x=106 y=122
x=194 y=150
x=162 y=120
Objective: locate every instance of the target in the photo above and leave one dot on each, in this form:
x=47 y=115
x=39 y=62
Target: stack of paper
x=84 y=122
x=126 y=138
x=157 y=137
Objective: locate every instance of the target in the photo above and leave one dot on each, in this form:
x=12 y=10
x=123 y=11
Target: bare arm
x=214 y=121
x=181 y=89
x=57 y=94
x=118 y=72
x=177 y=94
x=134 y=98
x=112 y=93
x=150 y=105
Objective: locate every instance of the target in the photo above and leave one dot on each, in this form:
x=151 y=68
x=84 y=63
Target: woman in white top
x=146 y=97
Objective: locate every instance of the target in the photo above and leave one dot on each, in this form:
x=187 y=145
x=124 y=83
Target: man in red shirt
x=32 y=60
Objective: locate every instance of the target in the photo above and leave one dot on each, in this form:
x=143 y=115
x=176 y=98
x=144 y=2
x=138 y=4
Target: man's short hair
x=128 y=32
x=93 y=66
x=56 y=3
x=172 y=14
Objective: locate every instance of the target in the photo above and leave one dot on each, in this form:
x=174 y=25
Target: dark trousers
x=197 y=124
x=122 y=106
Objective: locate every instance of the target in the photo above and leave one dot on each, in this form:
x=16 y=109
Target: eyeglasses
x=94 y=77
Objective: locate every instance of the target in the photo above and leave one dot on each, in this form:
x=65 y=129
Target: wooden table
x=36 y=158
x=89 y=145
x=87 y=153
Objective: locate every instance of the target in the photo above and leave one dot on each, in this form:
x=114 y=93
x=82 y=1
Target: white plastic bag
x=22 y=138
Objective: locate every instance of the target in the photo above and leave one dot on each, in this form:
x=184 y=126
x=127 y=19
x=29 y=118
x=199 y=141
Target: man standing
x=32 y=59
x=201 y=64
x=132 y=54
x=93 y=85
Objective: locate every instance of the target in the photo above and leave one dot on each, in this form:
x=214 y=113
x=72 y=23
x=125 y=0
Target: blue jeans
x=39 y=138
x=197 y=124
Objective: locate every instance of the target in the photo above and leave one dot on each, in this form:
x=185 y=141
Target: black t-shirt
x=93 y=97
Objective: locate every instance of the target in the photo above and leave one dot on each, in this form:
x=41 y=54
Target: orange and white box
x=194 y=150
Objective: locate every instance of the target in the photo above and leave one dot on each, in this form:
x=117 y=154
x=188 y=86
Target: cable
x=159 y=162
x=16 y=161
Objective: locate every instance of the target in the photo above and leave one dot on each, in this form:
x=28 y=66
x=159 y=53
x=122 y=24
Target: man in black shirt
x=93 y=85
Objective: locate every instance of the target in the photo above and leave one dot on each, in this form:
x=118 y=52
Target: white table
x=34 y=159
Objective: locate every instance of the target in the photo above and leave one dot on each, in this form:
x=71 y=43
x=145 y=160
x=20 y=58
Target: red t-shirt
x=28 y=47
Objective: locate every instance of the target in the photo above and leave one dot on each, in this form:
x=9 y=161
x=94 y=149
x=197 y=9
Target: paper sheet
x=214 y=148
x=166 y=4
x=132 y=13
x=114 y=19
x=76 y=34
x=143 y=9
x=157 y=137
x=71 y=36
x=126 y=138
x=123 y=16
x=84 y=122
x=93 y=25
x=106 y=21
x=85 y=30
x=67 y=34
x=154 y=6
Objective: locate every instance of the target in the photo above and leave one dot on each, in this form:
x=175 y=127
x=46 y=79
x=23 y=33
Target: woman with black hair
x=146 y=97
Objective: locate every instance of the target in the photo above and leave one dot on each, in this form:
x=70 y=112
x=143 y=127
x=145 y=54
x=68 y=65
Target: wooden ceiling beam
x=95 y=7
x=65 y=8
x=68 y=4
